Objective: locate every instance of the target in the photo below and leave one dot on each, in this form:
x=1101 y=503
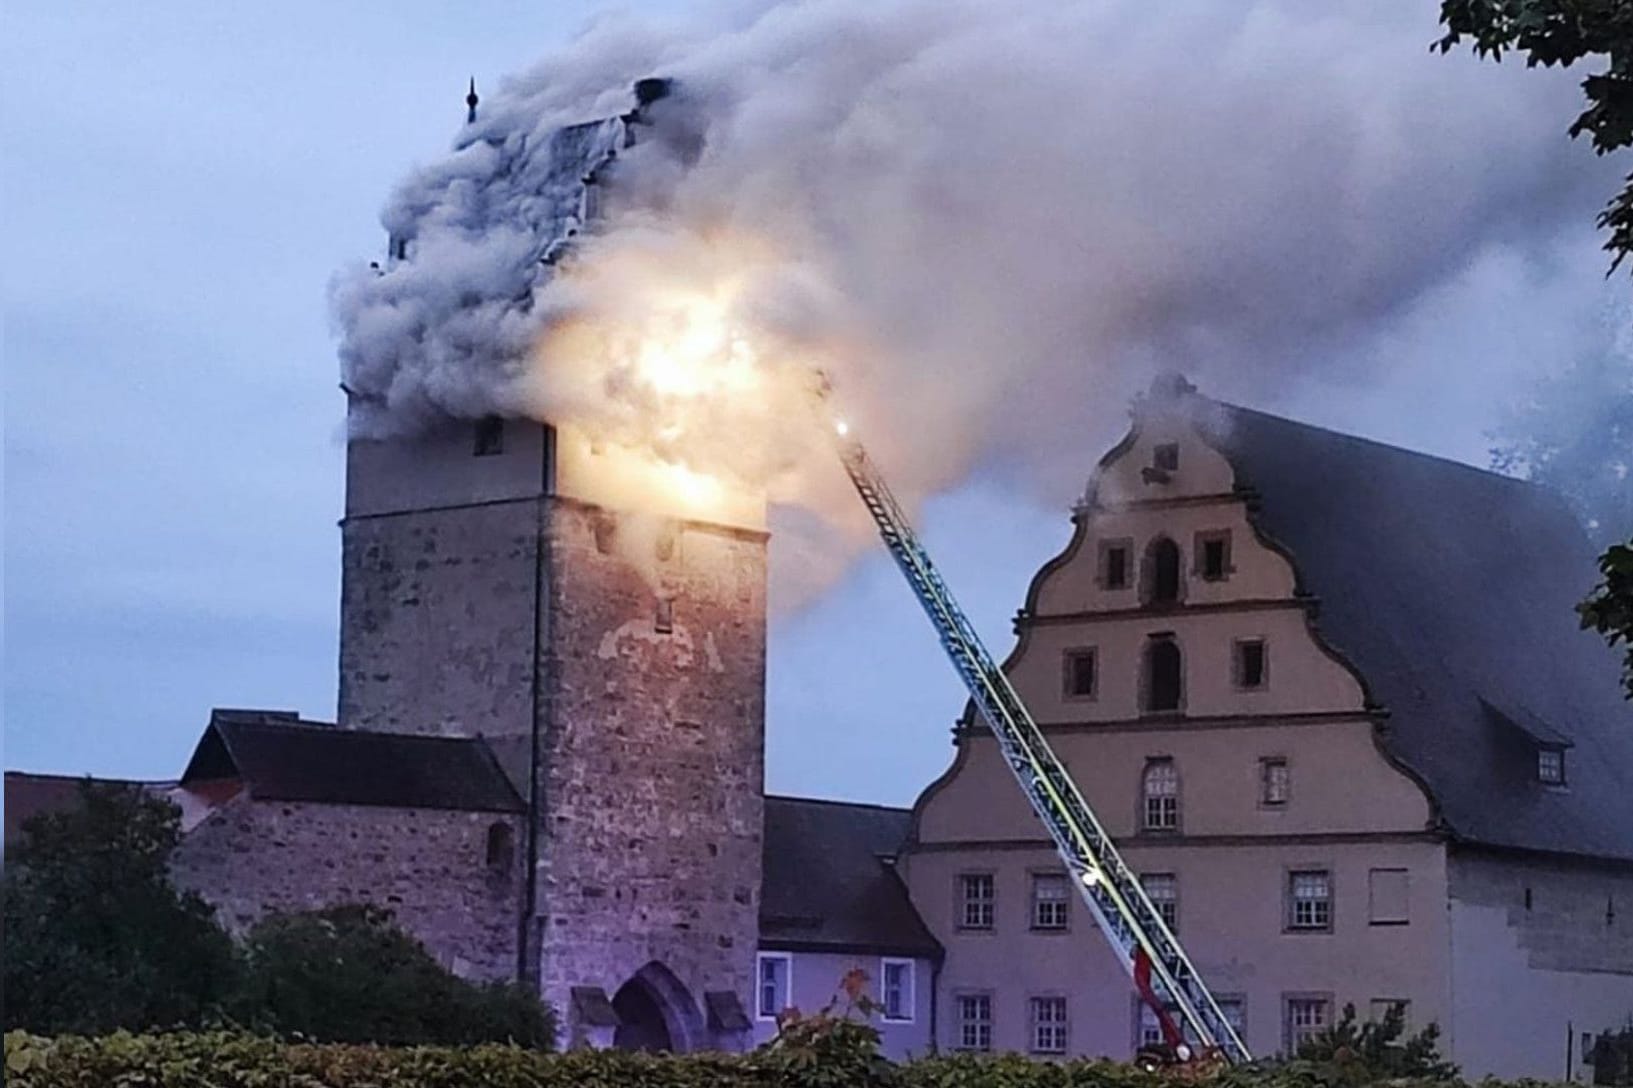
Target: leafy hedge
x=207 y=1060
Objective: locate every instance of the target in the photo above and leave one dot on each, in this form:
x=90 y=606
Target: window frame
x=787 y=959
x=1068 y=668
x=961 y=1022
x=1124 y=544
x=1372 y=908
x=1147 y=679
x=961 y=901
x=1033 y=902
x=1265 y=800
x=1143 y=821
x=1238 y=664
x=1288 y=1031
x=910 y=1000
x=1150 y=576
x=1290 y=906
x=1033 y=1023
x=1173 y=882
x=488 y=437
x=1199 y=554
x=1557 y=755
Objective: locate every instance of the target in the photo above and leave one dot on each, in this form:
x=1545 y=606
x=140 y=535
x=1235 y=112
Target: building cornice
x=1167 y=723
x=1146 y=842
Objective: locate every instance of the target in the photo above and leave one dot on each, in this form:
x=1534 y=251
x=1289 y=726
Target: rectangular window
x=1274 y=780
x=1308 y=1015
x=1148 y=1028
x=1159 y=801
x=1048 y=1025
x=1163 y=891
x=1235 y=1010
x=490 y=436
x=975 y=898
x=896 y=989
x=1309 y=899
x=1051 y=899
x=1251 y=663
x=1212 y=551
x=1551 y=766
x=1079 y=669
x=974 y=1021
x=1388 y=896
x=663 y=619
x=775 y=971
x=1114 y=564
x=1166 y=457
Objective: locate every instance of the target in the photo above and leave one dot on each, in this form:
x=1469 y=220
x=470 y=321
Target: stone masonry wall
x=429 y=867
x=654 y=753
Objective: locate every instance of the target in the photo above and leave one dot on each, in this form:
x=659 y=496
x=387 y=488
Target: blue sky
x=180 y=180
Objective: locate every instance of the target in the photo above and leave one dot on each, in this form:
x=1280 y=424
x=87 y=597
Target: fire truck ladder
x=1147 y=948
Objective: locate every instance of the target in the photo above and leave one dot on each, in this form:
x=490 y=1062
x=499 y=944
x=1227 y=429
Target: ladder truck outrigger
x=1192 y=1023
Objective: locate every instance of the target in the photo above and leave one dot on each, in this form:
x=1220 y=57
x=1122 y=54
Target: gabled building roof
x=280 y=758
x=1451 y=591
x=830 y=883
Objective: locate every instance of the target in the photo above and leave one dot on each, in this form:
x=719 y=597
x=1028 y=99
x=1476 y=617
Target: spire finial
x=470 y=102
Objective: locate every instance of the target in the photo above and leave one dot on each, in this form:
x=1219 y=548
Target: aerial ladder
x=1193 y=1026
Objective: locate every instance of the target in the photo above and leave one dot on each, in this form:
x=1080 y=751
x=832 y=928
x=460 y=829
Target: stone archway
x=656 y=1013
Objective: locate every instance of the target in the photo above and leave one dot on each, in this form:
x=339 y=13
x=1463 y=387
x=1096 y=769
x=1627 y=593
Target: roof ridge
x=66 y=777
x=330 y=730
x=837 y=803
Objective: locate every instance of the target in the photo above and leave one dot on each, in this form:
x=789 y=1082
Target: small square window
x=1309 y=900
x=1114 y=564
x=896 y=989
x=490 y=437
x=1048 y=1025
x=1275 y=782
x=975 y=900
x=1307 y=1017
x=1165 y=457
x=1551 y=766
x=1252 y=661
x=974 y=1021
x=1163 y=891
x=1080 y=674
x=772 y=996
x=1212 y=551
x=1051 y=900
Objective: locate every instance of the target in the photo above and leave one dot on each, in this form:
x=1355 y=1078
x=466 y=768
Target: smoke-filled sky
x=1022 y=210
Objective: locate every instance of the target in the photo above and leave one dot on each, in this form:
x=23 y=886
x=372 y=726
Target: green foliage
x=1609 y=610
x=95 y=936
x=348 y=974
x=1562 y=32
x=1354 y=1053
x=831 y=1046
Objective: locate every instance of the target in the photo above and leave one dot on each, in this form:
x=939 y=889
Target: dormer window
x=1551 y=766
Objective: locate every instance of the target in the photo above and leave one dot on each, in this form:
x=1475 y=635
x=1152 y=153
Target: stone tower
x=495 y=586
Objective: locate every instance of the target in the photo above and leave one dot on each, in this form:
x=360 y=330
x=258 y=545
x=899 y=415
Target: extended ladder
x=1141 y=940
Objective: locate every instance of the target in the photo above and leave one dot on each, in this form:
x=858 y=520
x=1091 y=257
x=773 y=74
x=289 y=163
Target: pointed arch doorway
x=656 y=1013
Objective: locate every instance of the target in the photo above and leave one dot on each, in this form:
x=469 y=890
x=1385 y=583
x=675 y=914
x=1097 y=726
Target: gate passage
x=1143 y=943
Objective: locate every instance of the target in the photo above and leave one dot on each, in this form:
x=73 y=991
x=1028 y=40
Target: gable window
x=1159 y=796
x=1163 y=673
x=1161 y=577
x=1079 y=669
x=975 y=900
x=974 y=1021
x=896 y=989
x=1048 y=1025
x=1274 y=782
x=1163 y=891
x=1114 y=556
x=1165 y=457
x=1551 y=766
x=1308 y=1015
x=1250 y=667
x=1051 y=899
x=1309 y=900
x=1388 y=897
x=490 y=437
x=1213 y=555
x=775 y=971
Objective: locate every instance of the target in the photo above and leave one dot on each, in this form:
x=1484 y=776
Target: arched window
x=1159 y=796
x=1163 y=675
x=501 y=848
x=1161 y=579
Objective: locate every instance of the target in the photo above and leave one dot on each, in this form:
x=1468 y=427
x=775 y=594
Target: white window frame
x=909 y=994
x=1034 y=1023
x=1292 y=924
x=1065 y=902
x=1157 y=901
x=962 y=1022
x=1290 y=1031
x=965 y=901
x=787 y=959
x=1266 y=798
x=1159 y=809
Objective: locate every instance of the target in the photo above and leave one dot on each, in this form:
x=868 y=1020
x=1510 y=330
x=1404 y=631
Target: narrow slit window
x=1274 y=782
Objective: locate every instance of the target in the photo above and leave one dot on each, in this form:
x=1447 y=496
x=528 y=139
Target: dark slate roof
x=280 y=758
x=829 y=884
x=1452 y=591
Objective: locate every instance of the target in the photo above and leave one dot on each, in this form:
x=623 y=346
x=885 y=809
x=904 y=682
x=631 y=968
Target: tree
x=95 y=936
x=1375 y=1050
x=1562 y=32
x=347 y=974
x=1610 y=610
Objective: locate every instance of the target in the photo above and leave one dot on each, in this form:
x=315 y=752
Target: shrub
x=1375 y=1050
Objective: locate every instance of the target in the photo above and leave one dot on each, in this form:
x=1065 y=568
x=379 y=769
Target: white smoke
x=991 y=222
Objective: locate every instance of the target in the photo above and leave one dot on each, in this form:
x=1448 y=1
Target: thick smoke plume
x=989 y=223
